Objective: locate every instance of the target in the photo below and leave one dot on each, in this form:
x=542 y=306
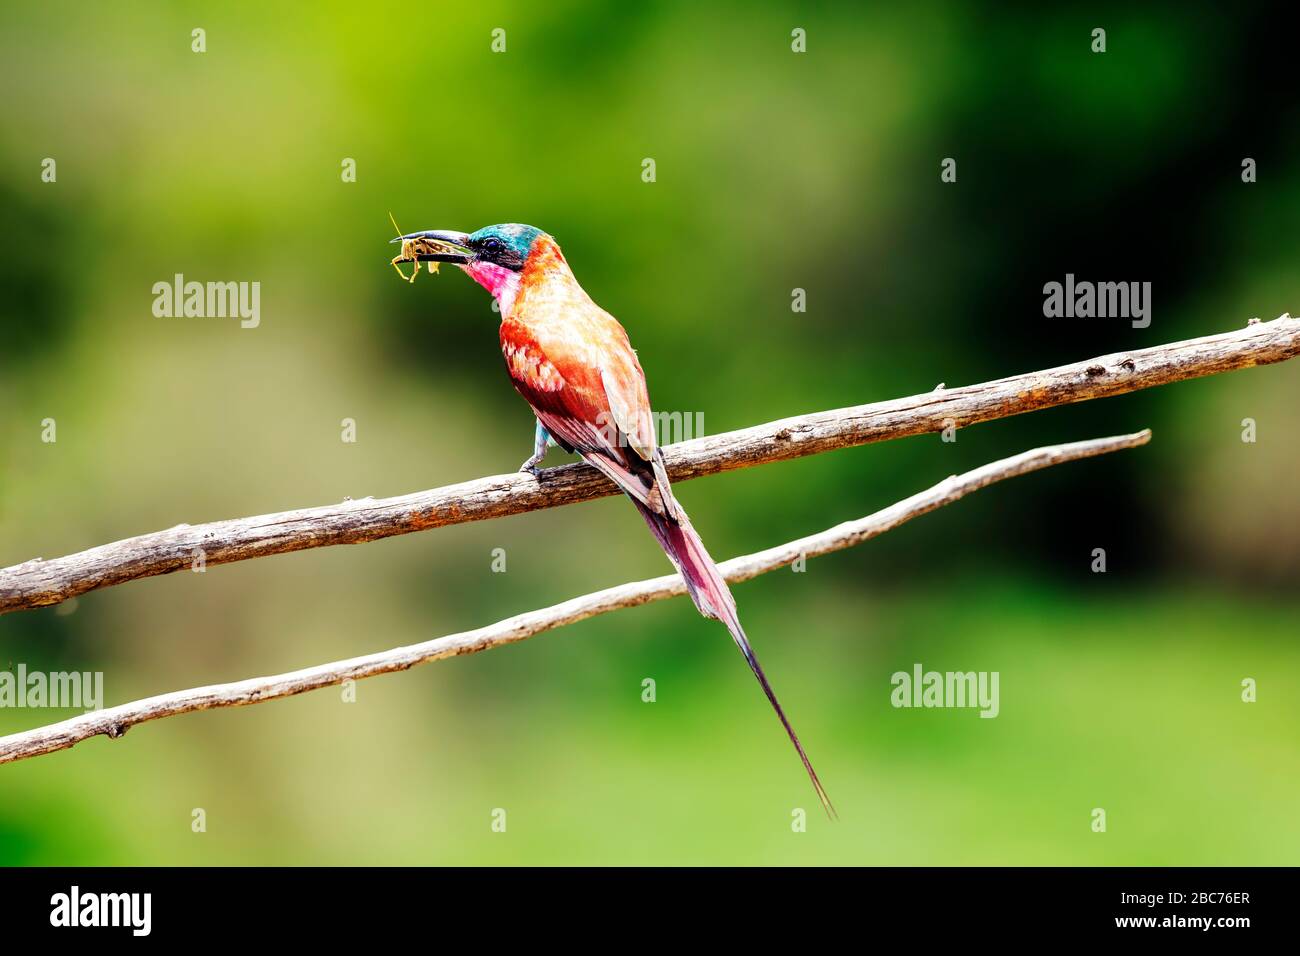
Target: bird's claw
x=530 y=467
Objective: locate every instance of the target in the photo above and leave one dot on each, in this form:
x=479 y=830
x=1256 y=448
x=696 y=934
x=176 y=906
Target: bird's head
x=494 y=257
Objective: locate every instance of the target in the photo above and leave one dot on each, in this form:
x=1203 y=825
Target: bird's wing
x=586 y=387
x=625 y=392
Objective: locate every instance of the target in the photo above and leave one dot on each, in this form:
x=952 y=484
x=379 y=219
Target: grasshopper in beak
x=431 y=247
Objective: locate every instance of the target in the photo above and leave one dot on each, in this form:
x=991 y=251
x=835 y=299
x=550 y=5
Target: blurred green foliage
x=775 y=171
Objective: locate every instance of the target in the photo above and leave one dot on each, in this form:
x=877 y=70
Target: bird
x=573 y=363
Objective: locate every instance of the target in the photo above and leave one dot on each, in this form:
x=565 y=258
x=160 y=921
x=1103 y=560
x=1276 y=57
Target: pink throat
x=501 y=282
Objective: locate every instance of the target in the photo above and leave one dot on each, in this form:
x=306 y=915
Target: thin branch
x=115 y=721
x=39 y=582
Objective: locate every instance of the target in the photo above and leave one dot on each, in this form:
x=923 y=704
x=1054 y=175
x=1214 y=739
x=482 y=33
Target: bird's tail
x=711 y=595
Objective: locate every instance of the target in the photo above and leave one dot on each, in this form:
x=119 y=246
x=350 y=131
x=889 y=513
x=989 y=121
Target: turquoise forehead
x=516 y=235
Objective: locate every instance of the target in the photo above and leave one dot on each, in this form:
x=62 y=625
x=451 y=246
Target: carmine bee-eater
x=573 y=364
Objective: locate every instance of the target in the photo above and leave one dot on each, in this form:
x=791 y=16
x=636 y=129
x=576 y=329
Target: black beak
x=451 y=246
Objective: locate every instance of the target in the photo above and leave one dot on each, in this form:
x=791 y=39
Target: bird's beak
x=451 y=246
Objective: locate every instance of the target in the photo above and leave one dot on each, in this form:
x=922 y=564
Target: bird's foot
x=530 y=466
x=541 y=441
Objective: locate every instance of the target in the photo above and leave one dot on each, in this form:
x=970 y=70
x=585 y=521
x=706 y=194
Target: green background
x=775 y=171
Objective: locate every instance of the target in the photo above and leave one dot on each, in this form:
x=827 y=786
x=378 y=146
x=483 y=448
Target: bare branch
x=115 y=721
x=38 y=583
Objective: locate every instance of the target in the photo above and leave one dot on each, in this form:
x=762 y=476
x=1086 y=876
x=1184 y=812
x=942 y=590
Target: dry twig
x=115 y=721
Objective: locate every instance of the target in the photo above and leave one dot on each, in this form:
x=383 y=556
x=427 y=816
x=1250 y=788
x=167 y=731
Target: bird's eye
x=492 y=245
